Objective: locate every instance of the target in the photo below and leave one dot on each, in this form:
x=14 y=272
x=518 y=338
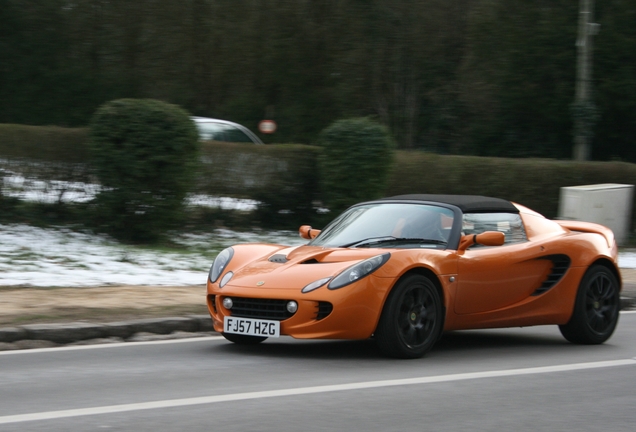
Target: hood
x=295 y=267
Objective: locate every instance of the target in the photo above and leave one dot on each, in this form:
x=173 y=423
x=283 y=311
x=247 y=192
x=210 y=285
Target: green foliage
x=356 y=157
x=288 y=198
x=481 y=77
x=144 y=153
x=48 y=154
x=282 y=178
x=614 y=81
x=45 y=77
x=534 y=183
x=45 y=143
x=519 y=79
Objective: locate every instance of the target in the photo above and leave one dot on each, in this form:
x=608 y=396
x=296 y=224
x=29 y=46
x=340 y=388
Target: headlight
x=220 y=262
x=315 y=285
x=358 y=271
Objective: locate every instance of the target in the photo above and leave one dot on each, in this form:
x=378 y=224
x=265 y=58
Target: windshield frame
x=453 y=239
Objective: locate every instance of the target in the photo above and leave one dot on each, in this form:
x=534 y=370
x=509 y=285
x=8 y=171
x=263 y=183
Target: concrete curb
x=628 y=303
x=628 y=295
x=46 y=335
x=82 y=331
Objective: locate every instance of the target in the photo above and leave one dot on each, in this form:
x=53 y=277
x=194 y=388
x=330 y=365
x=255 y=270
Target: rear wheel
x=243 y=339
x=596 y=309
x=411 y=320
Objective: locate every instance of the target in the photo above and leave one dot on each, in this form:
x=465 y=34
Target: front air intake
x=260 y=308
x=212 y=302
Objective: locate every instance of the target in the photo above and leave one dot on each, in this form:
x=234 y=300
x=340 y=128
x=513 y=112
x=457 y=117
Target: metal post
x=583 y=109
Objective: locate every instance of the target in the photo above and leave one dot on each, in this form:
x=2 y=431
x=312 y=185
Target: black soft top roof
x=466 y=203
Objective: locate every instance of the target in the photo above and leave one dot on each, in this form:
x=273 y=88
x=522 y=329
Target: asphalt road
x=515 y=379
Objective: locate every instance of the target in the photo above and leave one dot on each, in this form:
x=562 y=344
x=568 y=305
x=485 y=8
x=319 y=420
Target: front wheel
x=243 y=339
x=596 y=308
x=412 y=318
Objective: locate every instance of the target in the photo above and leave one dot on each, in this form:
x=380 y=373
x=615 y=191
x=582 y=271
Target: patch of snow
x=49 y=192
x=627 y=260
x=224 y=203
x=31 y=256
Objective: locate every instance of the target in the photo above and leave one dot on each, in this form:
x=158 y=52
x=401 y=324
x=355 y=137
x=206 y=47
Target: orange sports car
x=407 y=268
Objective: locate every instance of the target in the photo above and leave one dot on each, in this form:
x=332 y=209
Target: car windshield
x=395 y=225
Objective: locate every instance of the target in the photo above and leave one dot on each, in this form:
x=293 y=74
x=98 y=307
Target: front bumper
x=351 y=312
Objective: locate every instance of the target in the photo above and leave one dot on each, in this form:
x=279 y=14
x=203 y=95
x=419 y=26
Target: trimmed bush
x=355 y=162
x=144 y=153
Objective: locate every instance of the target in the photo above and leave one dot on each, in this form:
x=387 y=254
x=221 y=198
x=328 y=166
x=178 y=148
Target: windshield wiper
x=389 y=239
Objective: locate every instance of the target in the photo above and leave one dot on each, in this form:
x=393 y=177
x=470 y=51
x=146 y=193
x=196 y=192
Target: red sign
x=267 y=126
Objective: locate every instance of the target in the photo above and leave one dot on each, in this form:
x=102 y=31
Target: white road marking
x=628 y=312
x=110 y=345
x=172 y=403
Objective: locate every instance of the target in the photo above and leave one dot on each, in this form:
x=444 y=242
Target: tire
x=412 y=318
x=242 y=339
x=596 y=308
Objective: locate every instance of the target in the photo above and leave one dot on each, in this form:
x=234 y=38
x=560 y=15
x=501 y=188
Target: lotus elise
x=404 y=269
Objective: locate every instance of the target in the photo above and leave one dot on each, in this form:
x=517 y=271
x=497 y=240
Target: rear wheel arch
x=611 y=267
x=596 y=308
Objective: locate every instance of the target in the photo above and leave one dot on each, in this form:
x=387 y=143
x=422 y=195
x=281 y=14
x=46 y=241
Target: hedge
x=48 y=154
x=45 y=143
x=534 y=183
x=284 y=177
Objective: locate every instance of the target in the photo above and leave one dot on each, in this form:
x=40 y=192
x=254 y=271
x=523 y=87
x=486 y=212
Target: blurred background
x=481 y=97
x=478 y=77
x=370 y=98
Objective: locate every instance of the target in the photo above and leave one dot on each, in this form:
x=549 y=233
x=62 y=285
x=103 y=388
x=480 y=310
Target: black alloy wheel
x=596 y=309
x=412 y=318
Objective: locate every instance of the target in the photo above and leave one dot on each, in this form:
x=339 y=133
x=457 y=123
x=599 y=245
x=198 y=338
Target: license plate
x=251 y=327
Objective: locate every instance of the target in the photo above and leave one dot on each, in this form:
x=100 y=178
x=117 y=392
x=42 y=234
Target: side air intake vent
x=560 y=265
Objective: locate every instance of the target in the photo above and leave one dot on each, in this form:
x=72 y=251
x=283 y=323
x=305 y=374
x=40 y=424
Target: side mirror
x=487 y=238
x=307 y=232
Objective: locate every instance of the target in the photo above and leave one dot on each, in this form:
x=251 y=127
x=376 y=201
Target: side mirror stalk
x=487 y=238
x=307 y=232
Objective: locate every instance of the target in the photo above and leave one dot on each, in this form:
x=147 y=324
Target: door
x=495 y=277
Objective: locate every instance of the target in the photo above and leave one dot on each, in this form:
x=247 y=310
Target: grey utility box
x=607 y=204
